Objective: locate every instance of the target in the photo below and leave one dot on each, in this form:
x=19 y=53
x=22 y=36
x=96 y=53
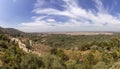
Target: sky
x=60 y=15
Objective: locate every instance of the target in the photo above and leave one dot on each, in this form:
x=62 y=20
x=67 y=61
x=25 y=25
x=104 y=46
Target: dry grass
x=41 y=48
x=76 y=54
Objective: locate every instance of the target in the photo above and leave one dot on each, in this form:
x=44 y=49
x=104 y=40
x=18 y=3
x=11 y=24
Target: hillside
x=83 y=51
x=14 y=57
x=11 y=31
x=58 y=51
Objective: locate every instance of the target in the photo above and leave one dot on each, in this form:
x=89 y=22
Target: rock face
x=20 y=44
x=23 y=46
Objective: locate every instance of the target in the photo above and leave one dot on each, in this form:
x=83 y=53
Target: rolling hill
x=11 y=31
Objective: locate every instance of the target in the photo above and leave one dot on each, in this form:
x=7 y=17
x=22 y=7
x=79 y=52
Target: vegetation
x=84 y=52
x=61 y=52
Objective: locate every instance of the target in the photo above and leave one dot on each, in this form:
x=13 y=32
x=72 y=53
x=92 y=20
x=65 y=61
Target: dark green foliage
x=60 y=54
x=89 y=61
x=53 y=51
x=82 y=42
x=31 y=61
x=53 y=62
x=97 y=52
x=71 y=64
x=28 y=46
x=4 y=67
x=108 y=47
x=15 y=58
x=61 y=41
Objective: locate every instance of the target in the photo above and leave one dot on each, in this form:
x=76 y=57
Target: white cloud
x=79 y=18
x=51 y=20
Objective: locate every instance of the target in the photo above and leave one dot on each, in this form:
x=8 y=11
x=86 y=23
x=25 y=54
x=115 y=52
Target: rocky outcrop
x=20 y=44
x=23 y=46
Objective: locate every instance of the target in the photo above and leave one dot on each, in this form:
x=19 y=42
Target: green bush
x=53 y=62
x=100 y=65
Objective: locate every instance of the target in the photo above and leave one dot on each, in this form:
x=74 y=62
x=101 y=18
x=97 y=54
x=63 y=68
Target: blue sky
x=60 y=15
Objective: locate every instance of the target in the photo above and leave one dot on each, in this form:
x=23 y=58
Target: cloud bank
x=68 y=15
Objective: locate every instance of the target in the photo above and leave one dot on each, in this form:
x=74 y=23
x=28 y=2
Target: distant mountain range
x=11 y=31
x=15 y=32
